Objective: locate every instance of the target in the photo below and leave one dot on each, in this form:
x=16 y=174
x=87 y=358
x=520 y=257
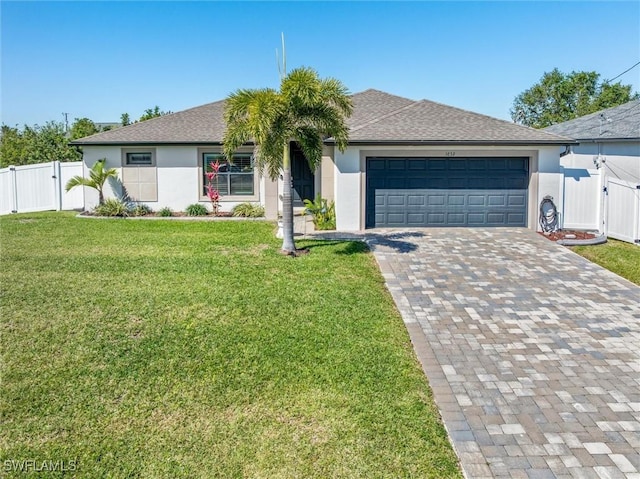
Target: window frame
x=144 y=150
x=217 y=150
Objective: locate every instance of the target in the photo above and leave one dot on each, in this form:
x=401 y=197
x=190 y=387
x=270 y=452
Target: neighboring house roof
x=619 y=122
x=378 y=117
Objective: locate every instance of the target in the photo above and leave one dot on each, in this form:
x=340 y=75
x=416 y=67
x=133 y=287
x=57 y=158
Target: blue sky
x=100 y=59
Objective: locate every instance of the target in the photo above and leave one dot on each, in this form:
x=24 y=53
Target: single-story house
x=408 y=164
x=602 y=171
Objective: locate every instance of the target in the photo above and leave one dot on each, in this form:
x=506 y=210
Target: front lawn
x=617 y=256
x=194 y=349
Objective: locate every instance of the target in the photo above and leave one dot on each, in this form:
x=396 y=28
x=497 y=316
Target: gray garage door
x=446 y=192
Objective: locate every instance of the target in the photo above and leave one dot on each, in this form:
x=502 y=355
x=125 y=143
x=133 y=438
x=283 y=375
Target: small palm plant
x=97 y=178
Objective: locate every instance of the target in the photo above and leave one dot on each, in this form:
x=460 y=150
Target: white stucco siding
x=91 y=154
x=348 y=189
x=350 y=174
x=178 y=177
x=177 y=171
x=621 y=159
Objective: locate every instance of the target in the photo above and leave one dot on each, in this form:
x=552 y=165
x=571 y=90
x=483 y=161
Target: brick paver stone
x=532 y=352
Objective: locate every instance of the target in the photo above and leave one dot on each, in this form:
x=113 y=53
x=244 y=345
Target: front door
x=303 y=177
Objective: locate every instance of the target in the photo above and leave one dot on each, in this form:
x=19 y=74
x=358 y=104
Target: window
x=139 y=173
x=235 y=178
x=143 y=158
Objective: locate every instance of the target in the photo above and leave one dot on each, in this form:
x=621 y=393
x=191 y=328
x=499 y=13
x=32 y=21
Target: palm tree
x=306 y=109
x=98 y=175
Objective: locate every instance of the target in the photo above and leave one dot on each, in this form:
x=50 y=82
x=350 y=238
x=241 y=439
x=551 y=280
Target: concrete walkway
x=532 y=352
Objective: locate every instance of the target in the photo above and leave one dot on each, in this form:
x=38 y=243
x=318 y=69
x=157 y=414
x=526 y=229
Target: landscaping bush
x=166 y=211
x=324 y=213
x=112 y=207
x=196 y=209
x=248 y=210
x=141 y=210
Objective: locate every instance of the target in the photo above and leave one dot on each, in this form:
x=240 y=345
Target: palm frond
x=310 y=142
x=78 y=181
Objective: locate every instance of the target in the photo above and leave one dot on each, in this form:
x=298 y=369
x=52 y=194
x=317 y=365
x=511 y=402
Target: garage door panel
x=418 y=164
x=415 y=219
x=476 y=200
x=496 y=218
x=435 y=199
x=435 y=219
x=396 y=200
x=456 y=200
x=447 y=192
x=397 y=165
x=456 y=219
x=396 y=183
x=416 y=200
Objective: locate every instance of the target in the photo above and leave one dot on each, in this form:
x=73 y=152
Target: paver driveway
x=532 y=352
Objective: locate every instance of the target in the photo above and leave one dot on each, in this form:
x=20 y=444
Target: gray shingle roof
x=429 y=122
x=202 y=124
x=377 y=117
x=624 y=124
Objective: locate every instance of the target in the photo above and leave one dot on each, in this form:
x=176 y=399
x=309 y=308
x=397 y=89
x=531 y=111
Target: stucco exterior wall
x=621 y=159
x=350 y=175
x=178 y=172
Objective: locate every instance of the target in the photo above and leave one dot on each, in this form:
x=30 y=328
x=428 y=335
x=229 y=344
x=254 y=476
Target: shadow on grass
x=399 y=241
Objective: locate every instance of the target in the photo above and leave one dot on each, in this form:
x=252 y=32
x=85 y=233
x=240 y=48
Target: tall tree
x=306 y=109
x=559 y=97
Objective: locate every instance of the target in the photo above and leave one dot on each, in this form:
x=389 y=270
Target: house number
x=450 y=153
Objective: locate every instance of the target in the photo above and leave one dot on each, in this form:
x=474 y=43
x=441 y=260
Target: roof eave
x=607 y=140
x=459 y=142
x=145 y=143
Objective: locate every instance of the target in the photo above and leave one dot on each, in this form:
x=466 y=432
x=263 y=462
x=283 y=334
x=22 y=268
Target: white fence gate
x=622 y=220
x=582 y=199
x=39 y=187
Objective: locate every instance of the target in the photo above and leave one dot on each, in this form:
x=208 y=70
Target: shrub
x=196 y=209
x=324 y=213
x=248 y=210
x=166 y=211
x=141 y=210
x=112 y=207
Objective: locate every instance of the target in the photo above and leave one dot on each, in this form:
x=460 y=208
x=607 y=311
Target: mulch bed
x=567 y=234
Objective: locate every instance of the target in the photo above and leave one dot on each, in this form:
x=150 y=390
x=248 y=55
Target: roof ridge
x=387 y=115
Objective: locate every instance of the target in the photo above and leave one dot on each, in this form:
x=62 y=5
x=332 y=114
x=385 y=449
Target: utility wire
x=627 y=70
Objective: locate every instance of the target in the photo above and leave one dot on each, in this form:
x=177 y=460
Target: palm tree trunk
x=288 y=245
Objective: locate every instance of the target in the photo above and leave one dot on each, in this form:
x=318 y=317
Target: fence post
x=14 y=189
x=57 y=188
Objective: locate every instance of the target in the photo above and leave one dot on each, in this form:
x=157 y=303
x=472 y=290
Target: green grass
x=194 y=349
x=617 y=256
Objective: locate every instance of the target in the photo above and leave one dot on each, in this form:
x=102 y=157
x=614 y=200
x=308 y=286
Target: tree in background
x=83 y=127
x=155 y=112
x=306 y=110
x=125 y=119
x=559 y=97
x=36 y=144
x=148 y=114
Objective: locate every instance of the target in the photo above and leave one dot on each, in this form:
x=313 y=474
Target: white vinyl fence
x=595 y=202
x=39 y=187
x=582 y=199
x=622 y=220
